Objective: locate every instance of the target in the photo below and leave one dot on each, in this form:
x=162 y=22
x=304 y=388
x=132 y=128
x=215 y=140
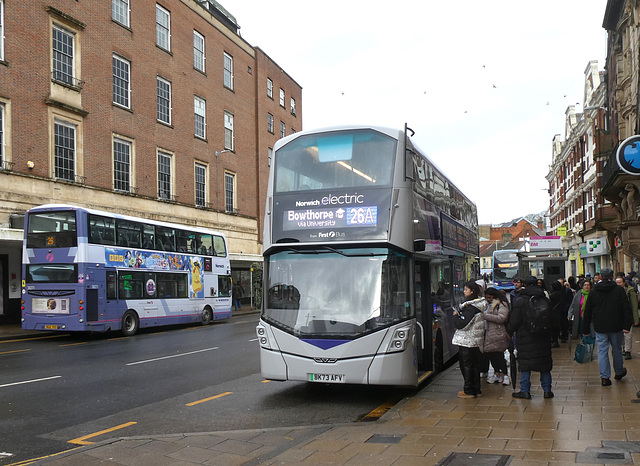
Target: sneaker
x=505 y=380
x=621 y=375
x=548 y=394
x=627 y=355
x=492 y=379
x=464 y=395
x=483 y=374
x=522 y=395
x=499 y=378
x=606 y=382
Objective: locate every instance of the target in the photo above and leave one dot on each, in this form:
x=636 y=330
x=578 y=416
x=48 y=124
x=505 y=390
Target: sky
x=484 y=84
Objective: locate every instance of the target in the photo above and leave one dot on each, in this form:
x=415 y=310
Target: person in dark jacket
x=609 y=310
x=534 y=349
x=557 y=312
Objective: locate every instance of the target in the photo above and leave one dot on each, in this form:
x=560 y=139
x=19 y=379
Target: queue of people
x=488 y=320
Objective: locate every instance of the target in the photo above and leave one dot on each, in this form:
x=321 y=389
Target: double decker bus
x=505 y=267
x=89 y=270
x=367 y=246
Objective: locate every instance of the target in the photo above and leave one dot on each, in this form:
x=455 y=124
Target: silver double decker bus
x=367 y=246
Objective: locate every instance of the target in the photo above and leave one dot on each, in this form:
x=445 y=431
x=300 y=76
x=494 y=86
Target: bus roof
x=105 y=213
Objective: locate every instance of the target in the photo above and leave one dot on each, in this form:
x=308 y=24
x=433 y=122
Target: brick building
x=155 y=109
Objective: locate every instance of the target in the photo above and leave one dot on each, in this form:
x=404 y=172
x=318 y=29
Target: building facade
x=576 y=211
x=154 y=109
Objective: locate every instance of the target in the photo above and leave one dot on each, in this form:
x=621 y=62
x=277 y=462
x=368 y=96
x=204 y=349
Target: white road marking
x=30 y=381
x=254 y=339
x=172 y=356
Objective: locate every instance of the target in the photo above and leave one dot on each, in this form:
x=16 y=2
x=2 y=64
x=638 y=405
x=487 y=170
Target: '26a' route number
x=362 y=215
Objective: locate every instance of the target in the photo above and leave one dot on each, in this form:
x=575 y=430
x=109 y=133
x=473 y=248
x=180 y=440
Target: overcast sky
x=484 y=83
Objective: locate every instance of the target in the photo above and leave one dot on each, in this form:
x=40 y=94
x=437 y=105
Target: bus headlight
x=399 y=341
x=263 y=339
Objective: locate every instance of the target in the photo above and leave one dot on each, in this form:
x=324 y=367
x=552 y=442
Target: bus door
x=424 y=316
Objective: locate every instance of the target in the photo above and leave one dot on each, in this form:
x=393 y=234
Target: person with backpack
x=609 y=309
x=530 y=321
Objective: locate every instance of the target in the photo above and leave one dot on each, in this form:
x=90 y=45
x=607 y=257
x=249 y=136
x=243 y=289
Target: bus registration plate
x=51 y=327
x=327 y=378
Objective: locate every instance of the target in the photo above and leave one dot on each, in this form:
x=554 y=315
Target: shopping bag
x=584 y=350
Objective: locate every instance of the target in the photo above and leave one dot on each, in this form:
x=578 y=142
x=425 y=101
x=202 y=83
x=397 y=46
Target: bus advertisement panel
x=88 y=270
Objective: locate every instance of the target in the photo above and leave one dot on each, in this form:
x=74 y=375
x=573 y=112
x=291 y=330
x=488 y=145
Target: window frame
x=270 y=88
x=126 y=143
x=293 y=106
x=1 y=30
x=59 y=122
x=282 y=98
x=127 y=91
x=270 y=123
x=3 y=134
x=127 y=20
x=199 y=102
x=229 y=132
x=283 y=129
x=228 y=70
x=229 y=192
x=165 y=188
x=59 y=67
x=161 y=27
x=160 y=80
x=199 y=54
x=200 y=185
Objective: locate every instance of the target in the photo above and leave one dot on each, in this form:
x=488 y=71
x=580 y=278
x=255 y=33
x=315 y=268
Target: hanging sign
x=628 y=155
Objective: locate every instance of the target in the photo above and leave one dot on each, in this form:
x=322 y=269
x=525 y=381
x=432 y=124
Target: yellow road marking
x=30 y=339
x=32 y=460
x=75 y=344
x=266 y=381
x=208 y=399
x=16 y=351
x=82 y=440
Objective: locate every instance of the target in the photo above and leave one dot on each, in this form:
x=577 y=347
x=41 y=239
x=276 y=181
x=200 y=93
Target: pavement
x=585 y=423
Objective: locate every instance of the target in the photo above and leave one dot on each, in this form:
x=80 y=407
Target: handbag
x=584 y=350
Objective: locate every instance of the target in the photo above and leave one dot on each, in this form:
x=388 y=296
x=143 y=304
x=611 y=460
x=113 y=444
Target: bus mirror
x=419 y=245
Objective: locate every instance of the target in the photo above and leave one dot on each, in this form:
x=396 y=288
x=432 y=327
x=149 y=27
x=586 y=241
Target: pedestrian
x=469 y=336
x=543 y=285
x=534 y=349
x=609 y=309
x=567 y=299
x=518 y=286
x=495 y=334
x=633 y=302
x=576 y=310
x=573 y=284
x=237 y=291
x=557 y=312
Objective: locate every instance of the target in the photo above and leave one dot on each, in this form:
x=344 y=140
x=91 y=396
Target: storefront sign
x=545 y=243
x=628 y=155
x=594 y=247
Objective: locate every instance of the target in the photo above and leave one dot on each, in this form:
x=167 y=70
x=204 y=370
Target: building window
x=120 y=11
x=198 y=51
x=121 y=83
x=228 y=131
x=269 y=156
x=293 y=106
x=65 y=150
x=199 y=111
x=270 y=123
x=228 y=71
x=1 y=29
x=282 y=98
x=283 y=129
x=63 y=55
x=229 y=192
x=269 y=88
x=201 y=184
x=164 y=175
x=2 y=133
x=121 y=165
x=164 y=101
x=163 y=28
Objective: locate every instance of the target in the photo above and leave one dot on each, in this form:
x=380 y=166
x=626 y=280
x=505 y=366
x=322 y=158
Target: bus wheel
x=130 y=323
x=207 y=316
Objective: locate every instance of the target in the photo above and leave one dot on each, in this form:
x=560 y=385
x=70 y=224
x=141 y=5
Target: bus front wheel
x=207 y=316
x=130 y=323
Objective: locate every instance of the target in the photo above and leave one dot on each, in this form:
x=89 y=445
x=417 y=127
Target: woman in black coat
x=534 y=350
x=556 y=312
